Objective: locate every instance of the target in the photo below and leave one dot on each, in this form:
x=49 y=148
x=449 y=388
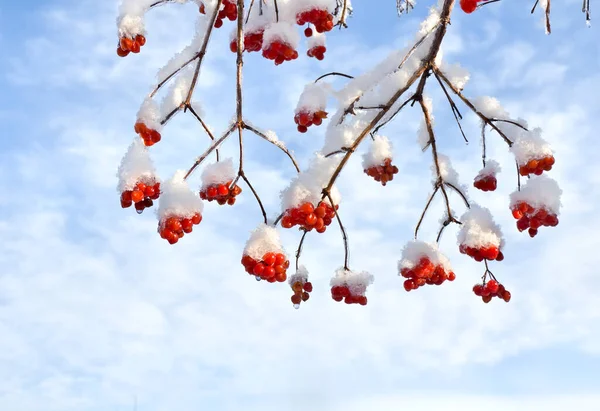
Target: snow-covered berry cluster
x=130 y=45
x=533 y=153
x=310 y=109
x=491 y=289
x=300 y=286
x=216 y=183
x=148 y=135
x=479 y=236
x=377 y=162
x=179 y=209
x=321 y=19
x=350 y=286
x=138 y=183
x=315 y=46
x=263 y=255
x=536 y=205
x=423 y=264
x=252 y=41
x=486 y=178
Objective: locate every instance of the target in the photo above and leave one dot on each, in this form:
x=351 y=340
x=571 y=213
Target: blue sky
x=95 y=308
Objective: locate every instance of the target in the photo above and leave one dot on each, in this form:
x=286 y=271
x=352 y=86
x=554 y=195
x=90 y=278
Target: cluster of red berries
x=321 y=19
x=317 y=52
x=308 y=217
x=142 y=196
x=272 y=267
x=425 y=272
x=482 y=253
x=280 y=52
x=537 y=167
x=532 y=218
x=469 y=6
x=149 y=136
x=252 y=42
x=486 y=182
x=221 y=193
x=304 y=119
x=301 y=292
x=384 y=172
x=229 y=11
x=491 y=289
x=128 y=45
x=343 y=292
x=173 y=228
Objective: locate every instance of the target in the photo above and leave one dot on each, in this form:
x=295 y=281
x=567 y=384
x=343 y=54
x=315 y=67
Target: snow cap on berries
x=220 y=172
x=299 y=6
x=136 y=166
x=492 y=168
x=264 y=239
x=529 y=145
x=149 y=114
x=313 y=98
x=478 y=229
x=177 y=199
x=379 y=151
x=308 y=186
x=414 y=250
x=539 y=192
x=301 y=275
x=283 y=32
x=357 y=282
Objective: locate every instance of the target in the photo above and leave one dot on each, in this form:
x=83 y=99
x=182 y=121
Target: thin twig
x=342 y=229
x=202 y=52
x=459 y=192
x=205 y=126
x=431 y=197
x=455 y=111
x=258 y=200
x=275 y=143
x=334 y=73
x=299 y=250
x=213 y=147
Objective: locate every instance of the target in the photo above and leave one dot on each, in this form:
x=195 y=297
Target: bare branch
x=431 y=197
x=258 y=200
x=210 y=134
x=455 y=111
x=213 y=147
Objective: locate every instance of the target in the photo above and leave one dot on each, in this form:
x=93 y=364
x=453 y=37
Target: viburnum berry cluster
x=217 y=183
x=423 y=264
x=486 y=178
x=350 y=287
x=356 y=111
x=300 y=286
x=130 y=45
x=490 y=289
x=264 y=257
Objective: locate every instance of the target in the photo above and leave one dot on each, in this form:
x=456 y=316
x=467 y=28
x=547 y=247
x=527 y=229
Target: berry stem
x=334 y=73
x=342 y=229
x=468 y=103
x=299 y=250
x=210 y=134
x=275 y=143
x=260 y=204
x=209 y=150
x=431 y=197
